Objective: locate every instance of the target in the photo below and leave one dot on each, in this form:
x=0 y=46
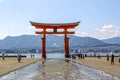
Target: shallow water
x=23 y=74
x=70 y=71
x=93 y=74
x=58 y=69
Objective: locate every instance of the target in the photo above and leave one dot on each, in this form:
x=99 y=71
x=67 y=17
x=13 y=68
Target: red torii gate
x=55 y=27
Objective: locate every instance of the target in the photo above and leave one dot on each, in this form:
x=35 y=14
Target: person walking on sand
x=3 y=56
x=119 y=58
x=31 y=56
x=107 y=57
x=19 y=58
x=112 y=59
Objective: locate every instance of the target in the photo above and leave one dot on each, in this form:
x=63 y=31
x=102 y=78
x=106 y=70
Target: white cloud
x=108 y=31
x=30 y=28
x=80 y=34
x=106 y=28
x=2 y=35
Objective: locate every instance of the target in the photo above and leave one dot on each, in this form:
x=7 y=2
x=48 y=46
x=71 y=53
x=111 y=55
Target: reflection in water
x=57 y=69
x=47 y=65
x=66 y=71
x=67 y=60
x=43 y=69
x=63 y=69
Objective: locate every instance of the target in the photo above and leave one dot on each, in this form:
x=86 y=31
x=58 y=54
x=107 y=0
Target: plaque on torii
x=55 y=28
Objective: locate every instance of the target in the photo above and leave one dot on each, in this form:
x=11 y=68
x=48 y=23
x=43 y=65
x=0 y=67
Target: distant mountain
x=115 y=40
x=85 y=42
x=24 y=41
x=34 y=41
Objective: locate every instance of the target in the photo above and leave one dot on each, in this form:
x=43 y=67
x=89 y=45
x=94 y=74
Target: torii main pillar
x=66 y=45
x=44 y=46
x=55 y=27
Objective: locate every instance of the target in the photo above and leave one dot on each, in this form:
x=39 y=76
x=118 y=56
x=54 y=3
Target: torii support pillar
x=66 y=43
x=44 y=46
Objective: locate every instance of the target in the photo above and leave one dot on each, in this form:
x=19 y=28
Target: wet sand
x=57 y=70
x=67 y=70
x=102 y=64
x=10 y=64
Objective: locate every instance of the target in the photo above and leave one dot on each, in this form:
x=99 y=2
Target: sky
x=99 y=18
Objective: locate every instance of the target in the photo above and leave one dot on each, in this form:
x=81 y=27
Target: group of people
x=80 y=56
x=32 y=55
x=112 y=58
x=18 y=57
x=98 y=55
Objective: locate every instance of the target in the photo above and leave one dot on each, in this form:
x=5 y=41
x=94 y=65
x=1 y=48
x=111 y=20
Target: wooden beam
x=51 y=27
x=55 y=32
x=57 y=25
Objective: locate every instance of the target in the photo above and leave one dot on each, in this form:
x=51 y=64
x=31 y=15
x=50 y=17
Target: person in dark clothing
x=107 y=57
x=94 y=54
x=73 y=56
x=99 y=56
x=85 y=55
x=19 y=58
x=112 y=59
x=31 y=56
x=119 y=58
x=3 y=56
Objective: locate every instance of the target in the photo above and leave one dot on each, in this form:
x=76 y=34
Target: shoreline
x=21 y=65
x=100 y=64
